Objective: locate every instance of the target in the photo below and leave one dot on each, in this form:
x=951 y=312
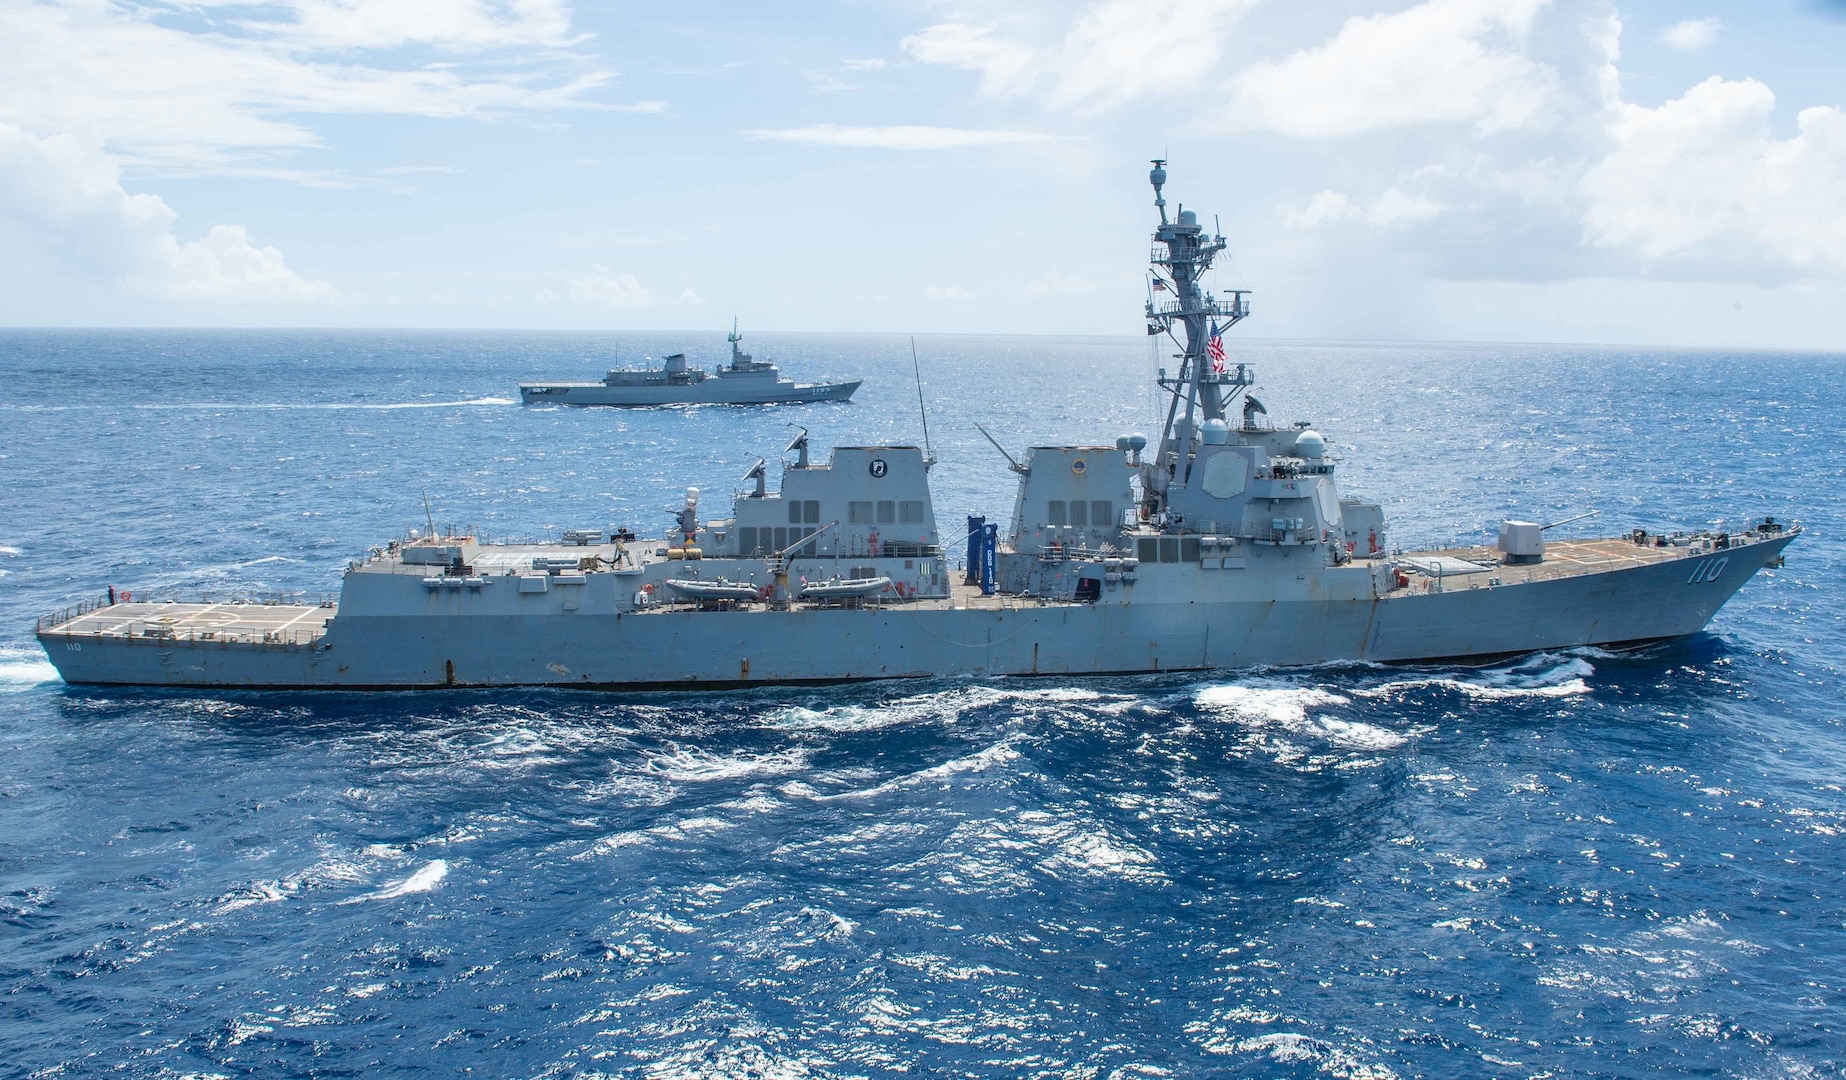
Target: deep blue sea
x=1575 y=864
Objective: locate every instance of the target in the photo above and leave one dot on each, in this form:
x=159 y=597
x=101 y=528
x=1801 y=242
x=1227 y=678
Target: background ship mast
x=1182 y=253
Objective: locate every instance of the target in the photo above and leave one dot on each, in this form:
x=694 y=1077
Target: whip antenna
x=929 y=455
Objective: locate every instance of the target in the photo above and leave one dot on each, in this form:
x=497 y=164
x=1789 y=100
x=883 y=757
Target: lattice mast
x=1182 y=254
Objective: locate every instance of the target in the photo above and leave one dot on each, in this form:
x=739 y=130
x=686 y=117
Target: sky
x=1509 y=170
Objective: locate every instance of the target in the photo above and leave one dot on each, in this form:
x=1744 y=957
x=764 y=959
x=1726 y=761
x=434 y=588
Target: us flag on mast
x=1214 y=348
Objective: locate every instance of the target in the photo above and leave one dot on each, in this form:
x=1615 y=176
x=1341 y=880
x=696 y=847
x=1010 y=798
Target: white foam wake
x=369 y=405
x=23 y=669
x=424 y=880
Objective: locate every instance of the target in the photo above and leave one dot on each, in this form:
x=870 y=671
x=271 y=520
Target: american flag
x=1160 y=285
x=1215 y=349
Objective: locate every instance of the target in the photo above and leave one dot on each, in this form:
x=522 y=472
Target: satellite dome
x=1216 y=432
x=1137 y=442
x=1309 y=444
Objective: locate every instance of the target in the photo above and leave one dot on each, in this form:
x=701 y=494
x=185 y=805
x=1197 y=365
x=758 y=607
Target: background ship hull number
x=1708 y=570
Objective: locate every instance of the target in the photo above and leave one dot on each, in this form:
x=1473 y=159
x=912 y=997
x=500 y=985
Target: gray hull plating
x=598 y=646
x=707 y=392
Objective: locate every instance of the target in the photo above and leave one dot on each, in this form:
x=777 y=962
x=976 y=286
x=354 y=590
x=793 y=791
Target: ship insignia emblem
x=1078 y=466
x=879 y=468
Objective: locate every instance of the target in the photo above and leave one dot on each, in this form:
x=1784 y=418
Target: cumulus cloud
x=191 y=87
x=1692 y=34
x=1703 y=177
x=69 y=199
x=603 y=287
x=1060 y=283
x=449 y=24
x=1392 y=208
x=1443 y=61
x=1114 y=52
x=898 y=138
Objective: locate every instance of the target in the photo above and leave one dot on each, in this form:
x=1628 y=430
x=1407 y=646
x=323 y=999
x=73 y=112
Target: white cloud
x=449 y=24
x=605 y=288
x=1443 y=61
x=1703 y=178
x=1392 y=208
x=826 y=82
x=948 y=292
x=689 y=297
x=69 y=199
x=234 y=89
x=1114 y=52
x=1059 y=283
x=898 y=138
x=868 y=64
x=1005 y=66
x=1692 y=34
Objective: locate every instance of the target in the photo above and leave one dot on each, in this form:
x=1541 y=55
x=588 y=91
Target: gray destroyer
x=744 y=381
x=1225 y=544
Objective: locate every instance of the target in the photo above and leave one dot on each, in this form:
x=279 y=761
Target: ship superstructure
x=1225 y=543
x=744 y=381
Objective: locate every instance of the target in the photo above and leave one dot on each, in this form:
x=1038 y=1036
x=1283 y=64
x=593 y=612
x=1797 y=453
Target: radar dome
x=692 y=497
x=1121 y=443
x=1137 y=442
x=1217 y=432
x=1309 y=444
x=1187 y=217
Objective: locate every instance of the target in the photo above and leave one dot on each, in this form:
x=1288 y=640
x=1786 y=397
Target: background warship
x=1227 y=545
x=744 y=381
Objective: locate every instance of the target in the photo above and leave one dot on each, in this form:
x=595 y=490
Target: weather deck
x=1563 y=558
x=230 y=623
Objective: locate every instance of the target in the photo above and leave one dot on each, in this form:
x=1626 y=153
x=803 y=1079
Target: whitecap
x=1281 y=705
x=426 y=879
x=997 y=754
x=1357 y=735
x=697 y=766
x=22 y=669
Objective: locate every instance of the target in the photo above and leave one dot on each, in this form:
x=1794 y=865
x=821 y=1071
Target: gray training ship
x=1226 y=544
x=744 y=381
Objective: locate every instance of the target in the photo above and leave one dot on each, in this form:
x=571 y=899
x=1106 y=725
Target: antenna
x=756 y=473
x=1011 y=464
x=800 y=442
x=929 y=455
x=426 y=513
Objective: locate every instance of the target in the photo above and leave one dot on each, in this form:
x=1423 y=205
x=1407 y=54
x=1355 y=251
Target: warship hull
x=708 y=392
x=475 y=639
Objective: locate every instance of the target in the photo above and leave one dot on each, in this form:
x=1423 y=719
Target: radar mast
x=1206 y=381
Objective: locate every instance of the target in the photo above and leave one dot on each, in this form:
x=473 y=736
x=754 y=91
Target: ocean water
x=1573 y=864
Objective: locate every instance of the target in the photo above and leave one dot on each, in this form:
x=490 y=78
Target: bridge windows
x=746 y=540
x=910 y=512
x=887 y=512
x=1102 y=513
x=1079 y=514
x=859 y=512
x=1054 y=512
x=803 y=510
